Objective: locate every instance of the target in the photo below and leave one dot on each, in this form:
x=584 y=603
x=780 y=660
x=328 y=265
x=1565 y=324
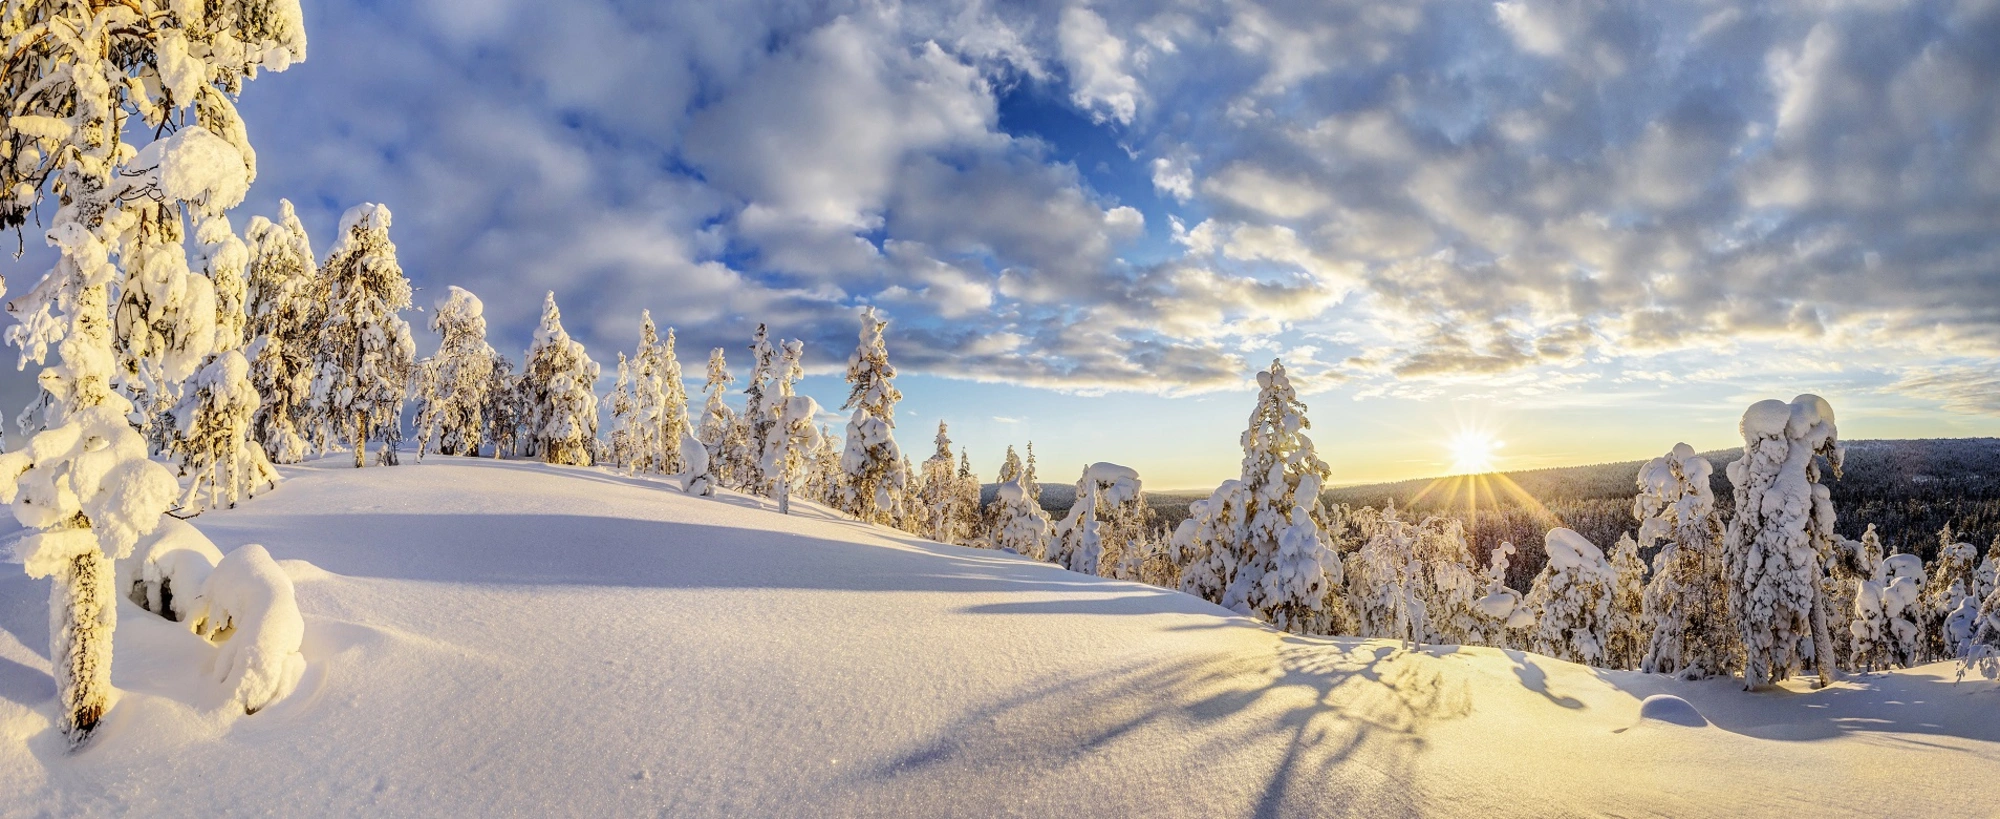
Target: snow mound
x=249 y=609
x=168 y=569
x=1670 y=709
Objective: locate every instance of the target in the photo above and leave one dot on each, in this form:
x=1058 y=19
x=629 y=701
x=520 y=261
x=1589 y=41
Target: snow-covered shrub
x=451 y=385
x=1504 y=622
x=168 y=569
x=1630 y=632
x=1687 y=601
x=283 y=306
x=212 y=435
x=696 y=480
x=1020 y=526
x=559 y=387
x=1414 y=581
x=872 y=466
x=249 y=611
x=1774 y=544
x=1572 y=600
x=365 y=354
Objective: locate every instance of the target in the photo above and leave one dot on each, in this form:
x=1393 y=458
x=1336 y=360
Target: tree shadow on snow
x=1252 y=734
x=1872 y=703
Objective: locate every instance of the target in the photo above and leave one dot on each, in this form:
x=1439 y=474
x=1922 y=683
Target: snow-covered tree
x=1886 y=618
x=453 y=383
x=503 y=409
x=939 y=501
x=283 y=306
x=1571 y=599
x=1262 y=566
x=718 y=421
x=660 y=401
x=1849 y=563
x=1630 y=632
x=75 y=77
x=971 y=528
x=164 y=321
x=1687 y=600
x=1982 y=649
x=1020 y=525
x=1773 y=545
x=757 y=419
x=212 y=438
x=620 y=449
x=1987 y=577
x=822 y=481
x=872 y=466
x=1951 y=584
x=1414 y=581
x=1504 y=622
x=559 y=382
x=1029 y=482
x=365 y=353
x=793 y=433
x=1079 y=538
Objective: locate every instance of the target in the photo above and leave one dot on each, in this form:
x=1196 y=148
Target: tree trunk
x=360 y=441
x=82 y=615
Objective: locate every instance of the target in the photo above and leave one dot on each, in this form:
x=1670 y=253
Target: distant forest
x=1908 y=488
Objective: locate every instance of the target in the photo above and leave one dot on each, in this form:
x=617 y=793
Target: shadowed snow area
x=489 y=639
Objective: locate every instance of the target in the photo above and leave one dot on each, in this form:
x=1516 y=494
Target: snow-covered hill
x=494 y=639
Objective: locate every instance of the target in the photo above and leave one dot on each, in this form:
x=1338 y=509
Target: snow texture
x=249 y=609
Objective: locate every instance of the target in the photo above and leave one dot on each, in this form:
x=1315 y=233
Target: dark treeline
x=1908 y=488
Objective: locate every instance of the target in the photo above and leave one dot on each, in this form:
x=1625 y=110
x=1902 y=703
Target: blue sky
x=1590 y=230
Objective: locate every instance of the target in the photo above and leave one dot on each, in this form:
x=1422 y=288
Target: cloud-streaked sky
x=1593 y=228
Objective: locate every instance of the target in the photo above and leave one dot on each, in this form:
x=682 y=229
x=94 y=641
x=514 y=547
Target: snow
x=195 y=165
x=249 y=608
x=1671 y=709
x=492 y=638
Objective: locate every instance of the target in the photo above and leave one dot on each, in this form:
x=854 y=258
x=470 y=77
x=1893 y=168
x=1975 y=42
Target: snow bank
x=249 y=610
x=1671 y=709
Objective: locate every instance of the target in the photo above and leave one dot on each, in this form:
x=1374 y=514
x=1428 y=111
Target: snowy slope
x=492 y=639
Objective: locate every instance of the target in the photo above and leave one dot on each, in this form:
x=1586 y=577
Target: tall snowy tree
x=451 y=401
x=872 y=466
x=661 y=401
x=620 y=449
x=939 y=501
x=1262 y=567
x=559 y=384
x=1887 y=615
x=717 y=419
x=75 y=76
x=757 y=419
x=502 y=410
x=283 y=306
x=1688 y=599
x=1773 y=545
x=1572 y=600
x=1029 y=482
x=365 y=355
x=965 y=504
x=1629 y=633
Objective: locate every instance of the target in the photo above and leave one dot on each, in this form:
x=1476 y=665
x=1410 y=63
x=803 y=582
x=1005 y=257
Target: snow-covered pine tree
x=75 y=76
x=1952 y=579
x=1982 y=650
x=1687 y=601
x=621 y=450
x=1630 y=632
x=1773 y=545
x=792 y=434
x=365 y=352
x=872 y=467
x=940 y=495
x=1849 y=562
x=453 y=383
x=284 y=306
x=1020 y=525
x=971 y=527
x=212 y=435
x=717 y=419
x=1886 y=618
x=164 y=322
x=223 y=257
x=1029 y=482
x=559 y=382
x=823 y=480
x=1079 y=538
x=661 y=397
x=1572 y=600
x=1987 y=578
x=1206 y=545
x=1261 y=571
x=1124 y=530
x=758 y=420
x=502 y=411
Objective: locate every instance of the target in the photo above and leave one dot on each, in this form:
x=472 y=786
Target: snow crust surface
x=490 y=638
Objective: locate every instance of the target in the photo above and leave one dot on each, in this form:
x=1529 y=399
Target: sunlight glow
x=1472 y=452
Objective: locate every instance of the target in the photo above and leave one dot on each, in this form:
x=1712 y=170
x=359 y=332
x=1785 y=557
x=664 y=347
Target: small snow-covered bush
x=1885 y=623
x=168 y=570
x=1020 y=525
x=248 y=610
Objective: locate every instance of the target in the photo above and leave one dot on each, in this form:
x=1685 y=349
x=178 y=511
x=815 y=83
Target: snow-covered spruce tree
x=502 y=411
x=661 y=397
x=972 y=526
x=872 y=466
x=1572 y=600
x=1079 y=538
x=1848 y=563
x=559 y=382
x=619 y=448
x=1773 y=545
x=1020 y=526
x=822 y=482
x=909 y=515
x=1687 y=600
x=453 y=383
x=365 y=355
x=75 y=76
x=223 y=257
x=1414 y=581
x=1630 y=632
x=1987 y=577
x=793 y=434
x=283 y=306
x=757 y=420
x=1982 y=649
x=1260 y=569
x=164 y=321
x=1029 y=482
x=1951 y=583
x=717 y=419
x=1504 y=622
x=937 y=504
x=212 y=435
x=1886 y=618
x=781 y=461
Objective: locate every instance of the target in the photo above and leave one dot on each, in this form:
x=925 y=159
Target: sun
x=1472 y=452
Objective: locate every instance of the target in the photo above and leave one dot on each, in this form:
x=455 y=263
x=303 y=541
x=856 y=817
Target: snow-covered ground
x=492 y=639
